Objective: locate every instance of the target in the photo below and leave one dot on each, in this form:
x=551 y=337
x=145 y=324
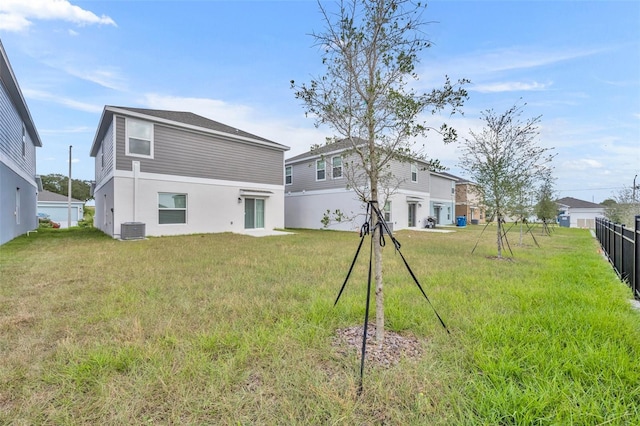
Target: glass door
x=412 y=215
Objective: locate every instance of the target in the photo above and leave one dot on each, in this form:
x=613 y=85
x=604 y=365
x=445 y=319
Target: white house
x=56 y=206
x=575 y=213
x=19 y=139
x=316 y=183
x=170 y=173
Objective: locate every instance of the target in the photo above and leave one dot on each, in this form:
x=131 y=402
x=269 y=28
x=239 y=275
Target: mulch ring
x=348 y=342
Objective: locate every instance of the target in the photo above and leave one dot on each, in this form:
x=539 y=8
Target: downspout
x=136 y=189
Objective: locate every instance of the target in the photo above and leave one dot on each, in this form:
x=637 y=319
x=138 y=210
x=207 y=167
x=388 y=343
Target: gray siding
x=188 y=153
x=402 y=171
x=11 y=126
x=441 y=187
x=104 y=164
x=304 y=177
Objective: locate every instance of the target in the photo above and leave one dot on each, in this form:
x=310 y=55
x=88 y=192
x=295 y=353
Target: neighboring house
x=56 y=206
x=576 y=213
x=468 y=201
x=180 y=173
x=316 y=182
x=19 y=138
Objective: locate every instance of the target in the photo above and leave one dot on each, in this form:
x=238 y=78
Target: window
x=387 y=211
x=172 y=208
x=24 y=142
x=320 y=170
x=288 y=175
x=414 y=173
x=139 y=138
x=253 y=213
x=336 y=163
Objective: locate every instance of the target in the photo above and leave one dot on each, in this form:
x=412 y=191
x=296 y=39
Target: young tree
x=546 y=208
x=623 y=207
x=370 y=52
x=505 y=161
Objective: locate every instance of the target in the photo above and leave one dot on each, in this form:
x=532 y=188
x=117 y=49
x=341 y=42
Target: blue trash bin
x=461 y=221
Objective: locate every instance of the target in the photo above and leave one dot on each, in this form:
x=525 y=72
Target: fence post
x=636 y=258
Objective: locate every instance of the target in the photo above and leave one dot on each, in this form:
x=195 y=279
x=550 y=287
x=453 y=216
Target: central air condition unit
x=132 y=231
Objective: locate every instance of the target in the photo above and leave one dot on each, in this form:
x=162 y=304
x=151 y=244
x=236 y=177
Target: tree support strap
x=365 y=229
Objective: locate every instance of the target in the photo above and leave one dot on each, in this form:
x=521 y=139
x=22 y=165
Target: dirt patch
x=348 y=342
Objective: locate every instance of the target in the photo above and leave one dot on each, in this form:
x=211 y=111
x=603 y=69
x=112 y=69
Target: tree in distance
x=505 y=160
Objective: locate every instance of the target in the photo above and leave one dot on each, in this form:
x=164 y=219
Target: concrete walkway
x=263 y=232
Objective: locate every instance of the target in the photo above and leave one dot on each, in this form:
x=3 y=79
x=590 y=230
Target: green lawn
x=230 y=329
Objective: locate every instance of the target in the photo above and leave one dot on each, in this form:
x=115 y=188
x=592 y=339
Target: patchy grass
x=230 y=329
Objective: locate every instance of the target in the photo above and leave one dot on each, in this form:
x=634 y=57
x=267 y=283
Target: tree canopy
x=505 y=160
x=80 y=189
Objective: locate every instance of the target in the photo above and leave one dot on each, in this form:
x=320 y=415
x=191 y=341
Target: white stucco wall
x=584 y=217
x=306 y=209
x=212 y=206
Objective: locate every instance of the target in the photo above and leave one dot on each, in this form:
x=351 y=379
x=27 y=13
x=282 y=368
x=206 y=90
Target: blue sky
x=576 y=63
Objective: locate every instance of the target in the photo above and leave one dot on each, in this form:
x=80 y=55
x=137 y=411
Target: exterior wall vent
x=132 y=231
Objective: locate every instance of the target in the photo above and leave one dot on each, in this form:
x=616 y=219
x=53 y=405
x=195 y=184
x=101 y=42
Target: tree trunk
x=377 y=260
x=499 y=236
x=522 y=232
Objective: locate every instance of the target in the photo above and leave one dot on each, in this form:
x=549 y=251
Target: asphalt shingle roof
x=578 y=204
x=52 y=196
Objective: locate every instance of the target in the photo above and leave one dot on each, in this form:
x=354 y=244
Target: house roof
x=49 y=196
x=11 y=83
x=337 y=146
x=578 y=204
x=183 y=119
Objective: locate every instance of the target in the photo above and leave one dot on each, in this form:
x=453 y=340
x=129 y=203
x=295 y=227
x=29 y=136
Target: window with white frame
x=139 y=140
x=172 y=208
x=321 y=169
x=336 y=164
x=387 y=211
x=414 y=173
x=288 y=175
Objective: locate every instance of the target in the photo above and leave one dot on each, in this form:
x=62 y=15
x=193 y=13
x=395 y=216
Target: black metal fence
x=622 y=247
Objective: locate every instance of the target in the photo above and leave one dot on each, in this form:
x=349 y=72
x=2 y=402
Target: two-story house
x=19 y=138
x=316 y=187
x=469 y=202
x=180 y=173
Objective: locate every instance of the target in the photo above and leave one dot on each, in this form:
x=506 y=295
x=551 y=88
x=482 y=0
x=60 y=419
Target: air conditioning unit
x=132 y=231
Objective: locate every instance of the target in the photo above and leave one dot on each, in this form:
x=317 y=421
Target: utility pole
x=69 y=192
x=633 y=197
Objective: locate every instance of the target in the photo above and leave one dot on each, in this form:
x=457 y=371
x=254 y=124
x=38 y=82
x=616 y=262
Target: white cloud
x=582 y=164
x=13 y=23
x=508 y=86
x=70 y=103
x=109 y=78
x=17 y=15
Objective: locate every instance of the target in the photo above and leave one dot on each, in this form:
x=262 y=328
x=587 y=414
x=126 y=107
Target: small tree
x=622 y=208
x=370 y=51
x=505 y=161
x=546 y=208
